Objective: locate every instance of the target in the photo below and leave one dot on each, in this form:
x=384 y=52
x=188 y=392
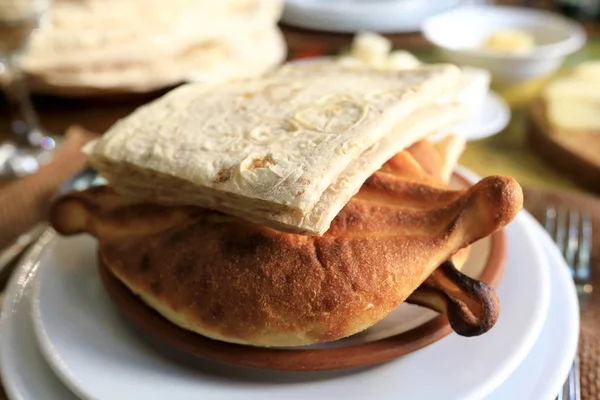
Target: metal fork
x=572 y=232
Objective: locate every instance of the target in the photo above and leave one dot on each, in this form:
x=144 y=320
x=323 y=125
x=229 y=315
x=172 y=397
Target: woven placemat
x=536 y=201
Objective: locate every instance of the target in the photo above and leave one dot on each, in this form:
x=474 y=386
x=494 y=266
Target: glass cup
x=29 y=146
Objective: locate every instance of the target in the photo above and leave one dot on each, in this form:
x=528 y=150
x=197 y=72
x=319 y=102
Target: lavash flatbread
x=107 y=32
x=251 y=54
x=416 y=126
x=262 y=148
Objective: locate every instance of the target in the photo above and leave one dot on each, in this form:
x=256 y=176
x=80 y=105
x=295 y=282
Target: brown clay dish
x=294 y=359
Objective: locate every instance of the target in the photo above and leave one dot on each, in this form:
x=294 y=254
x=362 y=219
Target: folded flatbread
x=285 y=151
x=248 y=55
x=107 y=32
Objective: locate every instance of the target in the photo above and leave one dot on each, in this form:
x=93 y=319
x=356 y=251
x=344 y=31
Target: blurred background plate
x=385 y=16
x=489 y=119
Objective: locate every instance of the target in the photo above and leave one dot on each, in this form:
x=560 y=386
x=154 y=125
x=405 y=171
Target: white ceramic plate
x=25 y=374
x=27 y=377
x=99 y=355
x=351 y=16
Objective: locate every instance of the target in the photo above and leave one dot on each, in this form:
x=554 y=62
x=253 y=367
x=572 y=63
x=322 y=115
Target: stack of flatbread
x=287 y=150
x=98 y=46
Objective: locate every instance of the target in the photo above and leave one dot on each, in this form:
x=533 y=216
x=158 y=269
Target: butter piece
x=573 y=103
x=371 y=48
x=589 y=70
x=374 y=51
x=577 y=117
x=509 y=41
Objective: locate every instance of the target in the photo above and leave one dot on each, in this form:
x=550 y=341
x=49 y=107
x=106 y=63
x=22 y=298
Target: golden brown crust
x=239 y=282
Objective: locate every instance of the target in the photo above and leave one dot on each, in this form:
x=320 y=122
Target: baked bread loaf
x=236 y=281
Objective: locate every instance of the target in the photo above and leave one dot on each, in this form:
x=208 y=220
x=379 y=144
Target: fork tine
x=576 y=378
x=569 y=390
x=561 y=230
x=583 y=267
x=572 y=243
x=550 y=221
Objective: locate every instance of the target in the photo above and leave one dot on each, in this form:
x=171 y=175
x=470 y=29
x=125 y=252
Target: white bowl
x=459 y=34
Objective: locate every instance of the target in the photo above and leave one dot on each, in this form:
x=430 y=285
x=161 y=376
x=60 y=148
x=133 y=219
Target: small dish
x=458 y=35
x=405 y=330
